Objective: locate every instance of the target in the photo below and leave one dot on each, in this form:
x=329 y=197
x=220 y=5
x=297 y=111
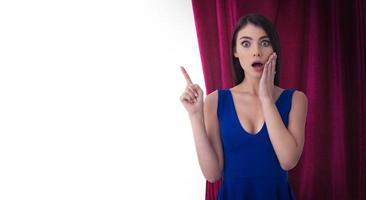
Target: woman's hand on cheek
x=266 y=83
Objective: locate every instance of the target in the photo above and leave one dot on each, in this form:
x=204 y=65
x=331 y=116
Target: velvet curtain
x=323 y=54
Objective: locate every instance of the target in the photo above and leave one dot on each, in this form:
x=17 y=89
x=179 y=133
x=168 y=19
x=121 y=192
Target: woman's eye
x=265 y=43
x=245 y=44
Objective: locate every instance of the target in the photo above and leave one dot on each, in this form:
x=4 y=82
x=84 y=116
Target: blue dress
x=251 y=168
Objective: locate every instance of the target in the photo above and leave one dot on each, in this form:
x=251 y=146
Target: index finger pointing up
x=186 y=76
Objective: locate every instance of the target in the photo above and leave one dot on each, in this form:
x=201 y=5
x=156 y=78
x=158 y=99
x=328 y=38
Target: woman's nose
x=256 y=51
x=257 y=54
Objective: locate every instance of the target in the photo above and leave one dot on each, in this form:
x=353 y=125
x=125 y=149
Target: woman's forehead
x=252 y=31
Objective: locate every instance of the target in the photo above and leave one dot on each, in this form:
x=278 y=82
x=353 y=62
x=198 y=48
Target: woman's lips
x=257 y=64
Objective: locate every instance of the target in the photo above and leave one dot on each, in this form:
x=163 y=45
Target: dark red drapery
x=323 y=54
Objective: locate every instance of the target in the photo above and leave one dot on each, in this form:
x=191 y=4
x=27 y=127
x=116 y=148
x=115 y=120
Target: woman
x=251 y=134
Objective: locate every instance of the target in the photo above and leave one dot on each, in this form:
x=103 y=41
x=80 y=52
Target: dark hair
x=268 y=27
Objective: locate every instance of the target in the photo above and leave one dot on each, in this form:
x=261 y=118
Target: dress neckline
x=238 y=120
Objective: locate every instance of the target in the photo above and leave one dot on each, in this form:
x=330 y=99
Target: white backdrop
x=89 y=100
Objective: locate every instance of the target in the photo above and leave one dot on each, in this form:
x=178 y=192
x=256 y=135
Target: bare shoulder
x=299 y=97
x=211 y=101
x=213 y=95
x=299 y=106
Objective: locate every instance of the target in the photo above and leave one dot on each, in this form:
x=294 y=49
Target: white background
x=89 y=100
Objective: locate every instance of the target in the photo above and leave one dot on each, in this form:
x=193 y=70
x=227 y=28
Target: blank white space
x=89 y=100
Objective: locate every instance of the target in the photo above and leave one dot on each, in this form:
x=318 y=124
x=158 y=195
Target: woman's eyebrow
x=249 y=38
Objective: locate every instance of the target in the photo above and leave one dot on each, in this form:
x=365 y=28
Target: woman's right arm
x=207 y=139
x=205 y=129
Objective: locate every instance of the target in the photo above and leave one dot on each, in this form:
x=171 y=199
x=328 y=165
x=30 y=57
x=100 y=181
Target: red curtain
x=323 y=54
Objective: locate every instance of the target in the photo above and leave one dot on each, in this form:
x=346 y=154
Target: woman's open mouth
x=258 y=66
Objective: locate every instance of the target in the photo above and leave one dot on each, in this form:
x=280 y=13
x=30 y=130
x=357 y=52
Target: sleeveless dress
x=251 y=168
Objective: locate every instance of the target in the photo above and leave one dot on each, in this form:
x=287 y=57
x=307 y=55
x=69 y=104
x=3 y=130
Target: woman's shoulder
x=212 y=99
x=294 y=90
x=296 y=93
x=213 y=96
x=211 y=103
x=300 y=97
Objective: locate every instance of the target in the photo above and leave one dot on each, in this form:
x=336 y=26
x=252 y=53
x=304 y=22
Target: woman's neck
x=249 y=86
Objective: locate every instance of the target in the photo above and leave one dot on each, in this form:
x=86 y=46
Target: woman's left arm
x=288 y=142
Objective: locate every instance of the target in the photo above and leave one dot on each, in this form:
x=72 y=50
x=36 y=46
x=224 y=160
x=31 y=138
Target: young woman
x=251 y=134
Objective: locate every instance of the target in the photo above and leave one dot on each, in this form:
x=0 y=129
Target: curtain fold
x=323 y=55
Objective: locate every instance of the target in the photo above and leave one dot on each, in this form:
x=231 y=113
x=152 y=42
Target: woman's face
x=253 y=49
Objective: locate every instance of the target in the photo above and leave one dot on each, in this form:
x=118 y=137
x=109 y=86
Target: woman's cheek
x=243 y=63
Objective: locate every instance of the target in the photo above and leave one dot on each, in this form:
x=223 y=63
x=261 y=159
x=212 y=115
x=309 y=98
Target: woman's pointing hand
x=192 y=97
